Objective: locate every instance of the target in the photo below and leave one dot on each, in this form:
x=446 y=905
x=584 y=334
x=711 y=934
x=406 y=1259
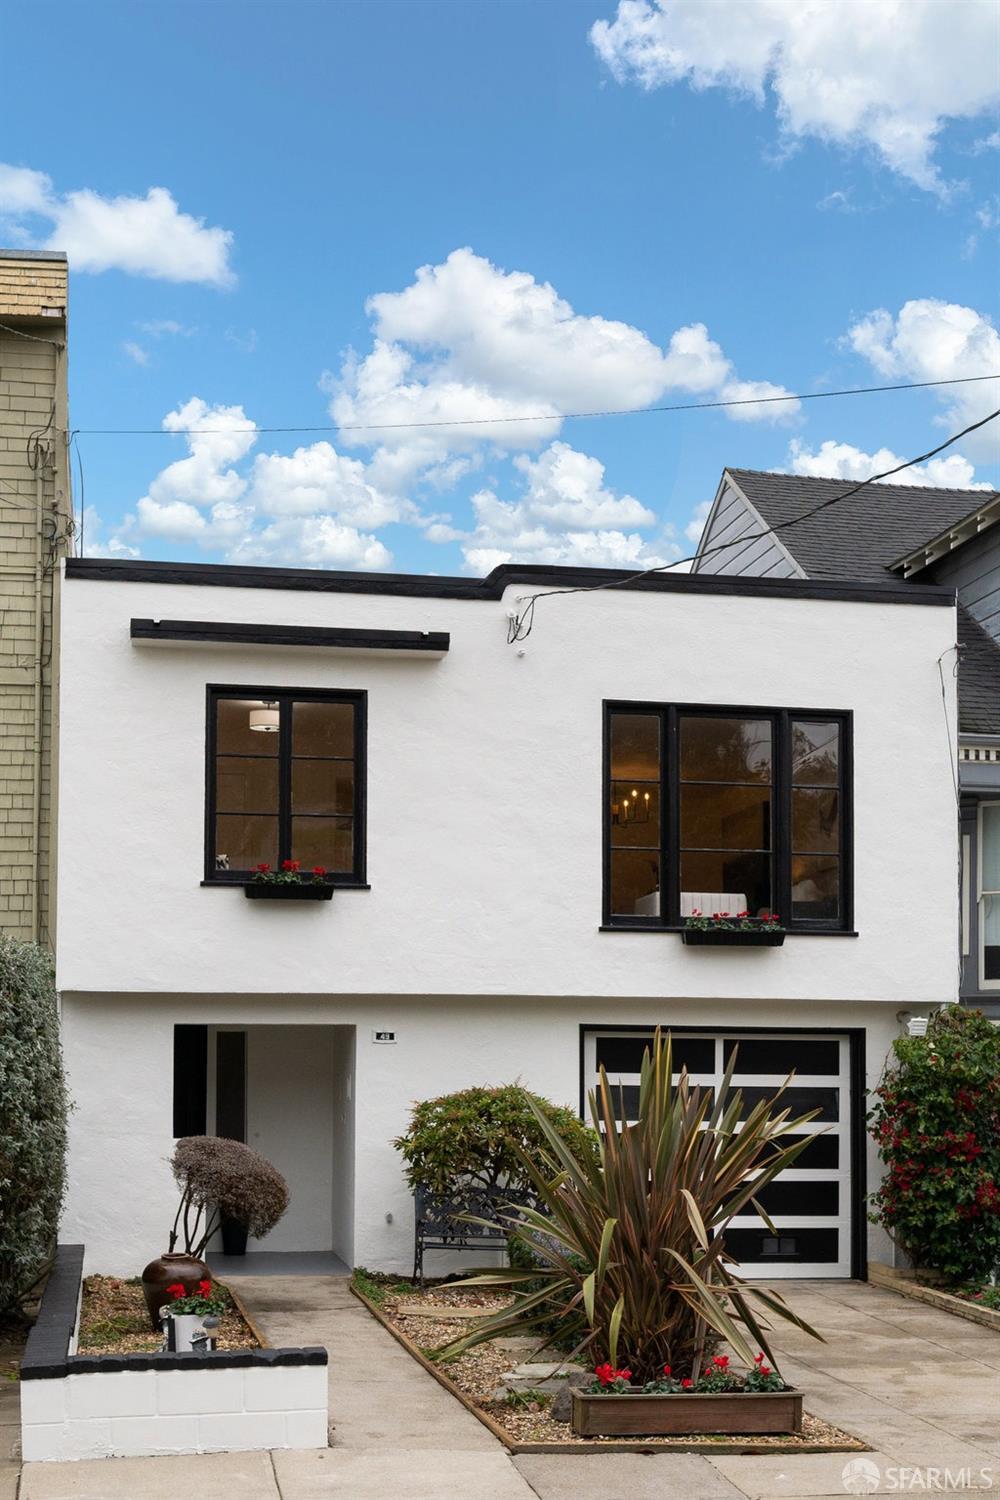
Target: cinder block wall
x=35 y=522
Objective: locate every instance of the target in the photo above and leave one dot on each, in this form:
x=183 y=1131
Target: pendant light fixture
x=265 y=720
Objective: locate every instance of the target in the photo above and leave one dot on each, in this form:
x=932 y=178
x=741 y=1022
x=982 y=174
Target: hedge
x=33 y=1110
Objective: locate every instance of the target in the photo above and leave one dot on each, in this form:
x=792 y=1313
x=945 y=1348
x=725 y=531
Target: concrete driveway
x=922 y=1387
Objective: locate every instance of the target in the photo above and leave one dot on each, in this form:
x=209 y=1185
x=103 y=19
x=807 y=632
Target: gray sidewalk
x=922 y=1387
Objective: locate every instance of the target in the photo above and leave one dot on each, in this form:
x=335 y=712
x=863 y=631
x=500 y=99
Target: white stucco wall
x=118 y=1051
x=290 y=1106
x=484 y=794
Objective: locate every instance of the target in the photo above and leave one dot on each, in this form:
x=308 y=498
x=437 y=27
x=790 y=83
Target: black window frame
x=357 y=876
x=669 y=919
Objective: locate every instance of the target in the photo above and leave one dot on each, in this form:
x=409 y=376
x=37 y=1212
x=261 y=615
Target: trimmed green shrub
x=937 y=1124
x=477 y=1136
x=33 y=1109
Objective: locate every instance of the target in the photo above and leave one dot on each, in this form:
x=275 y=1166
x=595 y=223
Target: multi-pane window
x=721 y=810
x=989 y=893
x=285 y=781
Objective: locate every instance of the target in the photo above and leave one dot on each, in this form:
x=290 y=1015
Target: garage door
x=810 y=1204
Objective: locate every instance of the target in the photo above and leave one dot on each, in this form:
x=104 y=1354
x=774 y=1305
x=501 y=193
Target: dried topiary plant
x=217 y=1176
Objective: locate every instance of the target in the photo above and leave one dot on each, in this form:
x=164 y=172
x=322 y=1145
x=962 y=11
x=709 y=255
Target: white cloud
x=158 y=328
x=89 y=528
x=565 y=515
x=888 y=79
x=312 y=542
x=933 y=340
x=305 y=509
x=468 y=343
x=696 y=525
x=176 y=520
x=752 y=392
x=147 y=236
x=135 y=352
x=834 y=460
x=317 y=479
x=23 y=191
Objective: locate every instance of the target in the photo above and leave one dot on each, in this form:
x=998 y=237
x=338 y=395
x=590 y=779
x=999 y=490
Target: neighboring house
x=517 y=832
x=35 y=523
x=918 y=534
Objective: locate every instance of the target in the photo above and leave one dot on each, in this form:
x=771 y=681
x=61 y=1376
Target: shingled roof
x=978 y=677
x=860 y=537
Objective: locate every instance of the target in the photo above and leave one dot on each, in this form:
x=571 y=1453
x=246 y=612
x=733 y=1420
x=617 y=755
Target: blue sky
x=694 y=201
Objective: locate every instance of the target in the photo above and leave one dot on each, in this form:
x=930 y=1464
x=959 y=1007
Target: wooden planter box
x=701 y=937
x=681 y=1414
x=262 y=890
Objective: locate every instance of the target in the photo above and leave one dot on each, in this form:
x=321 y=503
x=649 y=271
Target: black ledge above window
x=736 y=811
x=395 y=643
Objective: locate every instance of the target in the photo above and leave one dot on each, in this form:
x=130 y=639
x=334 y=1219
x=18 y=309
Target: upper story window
x=285 y=781
x=989 y=895
x=718 y=809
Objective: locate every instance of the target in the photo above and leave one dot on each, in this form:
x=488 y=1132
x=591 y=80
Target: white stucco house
x=516 y=832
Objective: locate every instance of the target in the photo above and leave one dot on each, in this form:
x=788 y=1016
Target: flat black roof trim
x=423 y=586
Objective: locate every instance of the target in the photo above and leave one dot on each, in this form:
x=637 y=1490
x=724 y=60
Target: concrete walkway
x=922 y=1387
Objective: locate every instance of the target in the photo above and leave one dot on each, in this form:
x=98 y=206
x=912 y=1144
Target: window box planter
x=680 y=1414
x=262 y=890
x=705 y=937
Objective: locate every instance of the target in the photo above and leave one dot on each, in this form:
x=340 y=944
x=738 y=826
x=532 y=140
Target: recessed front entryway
x=812 y=1205
x=288 y=1092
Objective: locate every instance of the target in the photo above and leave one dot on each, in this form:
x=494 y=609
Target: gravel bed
x=478 y=1373
x=114 y=1320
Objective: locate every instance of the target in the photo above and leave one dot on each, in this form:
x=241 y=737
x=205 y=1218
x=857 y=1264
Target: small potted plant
x=217 y=1177
x=289 y=883
x=189 y=1320
x=722 y=930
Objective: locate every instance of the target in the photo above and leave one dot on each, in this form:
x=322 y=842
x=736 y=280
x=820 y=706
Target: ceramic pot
x=165 y=1271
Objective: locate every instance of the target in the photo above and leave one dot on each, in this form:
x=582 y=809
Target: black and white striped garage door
x=810 y=1204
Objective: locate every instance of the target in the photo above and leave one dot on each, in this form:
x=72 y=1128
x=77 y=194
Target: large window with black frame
x=285 y=781
x=726 y=810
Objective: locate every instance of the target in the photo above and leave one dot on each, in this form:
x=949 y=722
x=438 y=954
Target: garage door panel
x=623 y=1054
x=810 y=1204
x=801 y=1055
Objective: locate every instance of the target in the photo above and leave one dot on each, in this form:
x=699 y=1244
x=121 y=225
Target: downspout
x=36 y=789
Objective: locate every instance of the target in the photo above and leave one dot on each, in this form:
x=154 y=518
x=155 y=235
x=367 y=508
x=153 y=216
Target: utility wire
x=547 y=416
x=520 y=626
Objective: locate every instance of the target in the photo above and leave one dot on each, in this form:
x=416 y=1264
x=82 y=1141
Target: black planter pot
x=705 y=937
x=234 y=1236
x=262 y=890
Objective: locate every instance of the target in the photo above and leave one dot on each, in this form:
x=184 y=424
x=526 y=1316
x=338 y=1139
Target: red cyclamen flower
x=666 y=1369
x=263 y=868
x=205 y=1288
x=687 y=1384
x=177 y=1290
x=319 y=869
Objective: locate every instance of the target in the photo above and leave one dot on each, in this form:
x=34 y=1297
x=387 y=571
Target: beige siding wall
x=35 y=513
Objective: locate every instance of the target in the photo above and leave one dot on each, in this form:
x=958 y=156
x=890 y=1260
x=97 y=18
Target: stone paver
x=431 y=1474
x=624 y=1476
x=203 y=1476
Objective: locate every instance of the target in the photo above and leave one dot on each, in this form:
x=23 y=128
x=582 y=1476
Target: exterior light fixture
x=265 y=720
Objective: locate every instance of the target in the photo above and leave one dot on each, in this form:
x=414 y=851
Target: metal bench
x=439 y=1224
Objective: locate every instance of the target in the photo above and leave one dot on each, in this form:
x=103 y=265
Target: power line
x=548 y=416
x=520 y=626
